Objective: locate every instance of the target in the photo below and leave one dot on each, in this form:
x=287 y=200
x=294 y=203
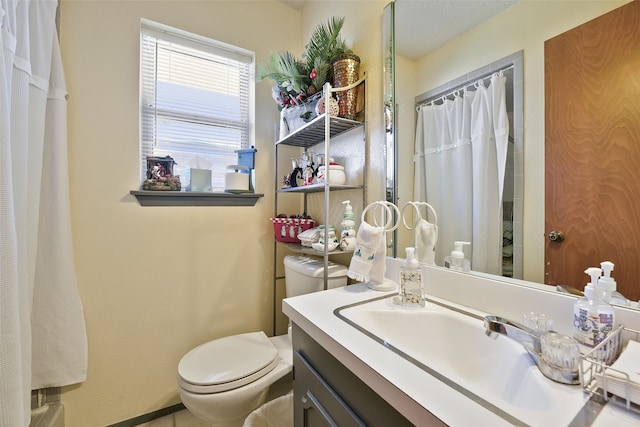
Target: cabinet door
x=316 y=403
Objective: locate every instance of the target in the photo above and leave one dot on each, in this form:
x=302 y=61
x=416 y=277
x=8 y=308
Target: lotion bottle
x=593 y=317
x=348 y=233
x=456 y=260
x=411 y=285
x=608 y=285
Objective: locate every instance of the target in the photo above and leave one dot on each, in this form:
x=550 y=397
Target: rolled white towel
x=426 y=237
x=367 y=244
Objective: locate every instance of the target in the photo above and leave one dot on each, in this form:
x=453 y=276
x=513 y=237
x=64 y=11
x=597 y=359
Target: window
x=196 y=99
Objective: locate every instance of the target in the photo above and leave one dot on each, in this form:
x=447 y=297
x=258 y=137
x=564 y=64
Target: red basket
x=287 y=229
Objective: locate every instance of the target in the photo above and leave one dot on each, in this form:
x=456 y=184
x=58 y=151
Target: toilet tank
x=305 y=274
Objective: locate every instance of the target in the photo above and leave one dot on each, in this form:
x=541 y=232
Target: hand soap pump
x=608 y=285
x=593 y=317
x=411 y=285
x=457 y=261
x=348 y=233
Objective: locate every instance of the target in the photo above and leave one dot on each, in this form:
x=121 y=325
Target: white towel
x=628 y=362
x=379 y=266
x=368 y=242
x=614 y=381
x=426 y=236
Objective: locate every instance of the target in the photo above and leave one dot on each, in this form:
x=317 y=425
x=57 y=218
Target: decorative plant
x=324 y=45
x=290 y=76
x=296 y=79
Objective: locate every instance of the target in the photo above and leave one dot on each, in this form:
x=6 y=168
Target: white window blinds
x=196 y=99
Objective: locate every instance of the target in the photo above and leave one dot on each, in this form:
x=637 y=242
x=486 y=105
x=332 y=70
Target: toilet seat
x=238 y=361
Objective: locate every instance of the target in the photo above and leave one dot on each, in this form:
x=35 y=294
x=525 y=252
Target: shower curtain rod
x=460 y=87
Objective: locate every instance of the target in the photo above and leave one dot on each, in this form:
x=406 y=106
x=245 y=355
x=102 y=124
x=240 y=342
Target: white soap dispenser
x=593 y=317
x=608 y=285
x=411 y=285
x=348 y=233
x=456 y=260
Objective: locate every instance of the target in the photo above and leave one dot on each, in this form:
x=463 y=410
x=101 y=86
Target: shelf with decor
x=316 y=188
x=300 y=249
x=314 y=132
x=321 y=132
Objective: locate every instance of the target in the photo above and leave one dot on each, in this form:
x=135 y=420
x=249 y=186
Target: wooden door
x=592 y=150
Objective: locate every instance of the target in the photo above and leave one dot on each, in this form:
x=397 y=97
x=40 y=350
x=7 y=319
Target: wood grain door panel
x=592 y=150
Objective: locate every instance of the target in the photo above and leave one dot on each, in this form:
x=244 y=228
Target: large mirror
x=441 y=52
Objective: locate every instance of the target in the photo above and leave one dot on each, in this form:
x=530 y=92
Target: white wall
x=157 y=281
x=362 y=31
x=524 y=26
x=405 y=138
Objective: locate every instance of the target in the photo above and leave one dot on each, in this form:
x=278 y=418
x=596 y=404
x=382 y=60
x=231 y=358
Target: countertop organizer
x=598 y=377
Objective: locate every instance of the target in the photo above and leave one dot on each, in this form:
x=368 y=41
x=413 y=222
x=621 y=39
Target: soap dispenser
x=348 y=233
x=457 y=261
x=593 y=317
x=411 y=285
x=608 y=285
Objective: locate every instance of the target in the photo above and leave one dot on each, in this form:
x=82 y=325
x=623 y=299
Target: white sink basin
x=452 y=346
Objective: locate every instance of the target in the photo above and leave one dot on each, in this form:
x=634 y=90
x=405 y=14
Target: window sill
x=193 y=198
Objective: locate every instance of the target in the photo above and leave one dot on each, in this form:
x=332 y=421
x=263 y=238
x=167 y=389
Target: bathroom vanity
x=326 y=391
x=353 y=371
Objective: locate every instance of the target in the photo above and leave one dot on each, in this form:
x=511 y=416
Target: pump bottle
x=411 y=285
x=608 y=285
x=456 y=260
x=348 y=233
x=593 y=317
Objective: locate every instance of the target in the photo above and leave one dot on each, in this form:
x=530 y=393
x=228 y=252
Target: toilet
x=223 y=380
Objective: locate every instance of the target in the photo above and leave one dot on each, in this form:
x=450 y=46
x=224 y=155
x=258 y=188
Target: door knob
x=556 y=236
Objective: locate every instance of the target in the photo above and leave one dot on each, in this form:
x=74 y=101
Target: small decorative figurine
x=160 y=175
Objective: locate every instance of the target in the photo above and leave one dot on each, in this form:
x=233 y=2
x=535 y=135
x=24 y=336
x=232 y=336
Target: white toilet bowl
x=246 y=367
x=224 y=380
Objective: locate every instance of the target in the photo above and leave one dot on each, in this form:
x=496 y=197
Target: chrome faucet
x=495 y=325
x=530 y=340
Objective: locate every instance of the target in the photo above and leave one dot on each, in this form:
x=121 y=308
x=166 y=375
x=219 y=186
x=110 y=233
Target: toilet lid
x=227 y=363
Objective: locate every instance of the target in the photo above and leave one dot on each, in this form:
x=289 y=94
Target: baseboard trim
x=141 y=419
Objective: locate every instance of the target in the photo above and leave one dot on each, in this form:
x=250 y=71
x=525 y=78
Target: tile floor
x=182 y=418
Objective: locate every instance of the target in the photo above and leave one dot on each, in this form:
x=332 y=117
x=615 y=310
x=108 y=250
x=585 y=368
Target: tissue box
x=200 y=179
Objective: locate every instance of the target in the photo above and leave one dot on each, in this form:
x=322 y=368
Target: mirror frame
x=389 y=96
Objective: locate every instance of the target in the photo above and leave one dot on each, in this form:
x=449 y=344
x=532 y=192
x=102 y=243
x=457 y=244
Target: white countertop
x=407 y=387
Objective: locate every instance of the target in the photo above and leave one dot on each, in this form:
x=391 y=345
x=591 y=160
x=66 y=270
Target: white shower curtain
x=43 y=339
x=461 y=148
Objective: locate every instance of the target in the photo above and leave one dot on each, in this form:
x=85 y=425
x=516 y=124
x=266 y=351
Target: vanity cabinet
x=327 y=393
x=317 y=136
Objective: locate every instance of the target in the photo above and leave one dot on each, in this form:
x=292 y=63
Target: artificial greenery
x=289 y=73
x=324 y=45
x=296 y=79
